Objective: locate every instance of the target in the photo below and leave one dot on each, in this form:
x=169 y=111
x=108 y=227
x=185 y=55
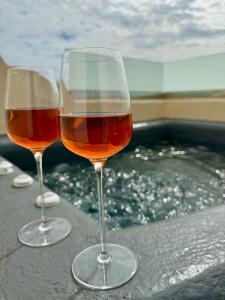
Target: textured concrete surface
x=179 y=259
x=210 y=285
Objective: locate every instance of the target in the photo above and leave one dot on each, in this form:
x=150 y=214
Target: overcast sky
x=37 y=31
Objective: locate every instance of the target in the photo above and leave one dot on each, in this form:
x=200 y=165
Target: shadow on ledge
x=210 y=285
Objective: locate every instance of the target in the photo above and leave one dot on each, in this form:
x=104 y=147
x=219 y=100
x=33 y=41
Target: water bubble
x=145 y=184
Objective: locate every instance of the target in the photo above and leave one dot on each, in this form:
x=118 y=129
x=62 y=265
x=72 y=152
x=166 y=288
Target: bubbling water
x=145 y=184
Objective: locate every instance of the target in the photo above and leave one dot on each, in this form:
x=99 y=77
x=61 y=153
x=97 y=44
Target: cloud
x=66 y=36
x=192 y=31
x=38 y=31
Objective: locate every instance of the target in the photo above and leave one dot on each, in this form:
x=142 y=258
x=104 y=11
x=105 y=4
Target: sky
x=37 y=31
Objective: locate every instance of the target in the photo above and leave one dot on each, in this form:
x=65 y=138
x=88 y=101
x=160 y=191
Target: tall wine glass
x=96 y=123
x=32 y=120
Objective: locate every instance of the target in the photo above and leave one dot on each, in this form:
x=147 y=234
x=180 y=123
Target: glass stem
x=104 y=257
x=38 y=158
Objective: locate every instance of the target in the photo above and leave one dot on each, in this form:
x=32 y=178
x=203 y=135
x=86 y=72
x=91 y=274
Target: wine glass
x=96 y=123
x=32 y=121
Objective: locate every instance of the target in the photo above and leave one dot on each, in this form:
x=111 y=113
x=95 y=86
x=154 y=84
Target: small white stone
x=5 y=167
x=6 y=171
x=22 y=180
x=50 y=199
x=6 y=164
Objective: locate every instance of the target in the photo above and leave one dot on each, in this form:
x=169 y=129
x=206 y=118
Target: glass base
x=39 y=234
x=91 y=274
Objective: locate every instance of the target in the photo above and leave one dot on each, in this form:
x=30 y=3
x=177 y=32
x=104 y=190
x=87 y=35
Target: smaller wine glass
x=32 y=121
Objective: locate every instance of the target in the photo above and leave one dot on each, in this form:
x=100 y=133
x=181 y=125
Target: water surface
x=146 y=184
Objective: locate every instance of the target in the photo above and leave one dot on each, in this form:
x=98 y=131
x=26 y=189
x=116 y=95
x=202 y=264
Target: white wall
x=144 y=76
x=197 y=74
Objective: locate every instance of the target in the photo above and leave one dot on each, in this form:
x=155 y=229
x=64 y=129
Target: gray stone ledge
x=177 y=258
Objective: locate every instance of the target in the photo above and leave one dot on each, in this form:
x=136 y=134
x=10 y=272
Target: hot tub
x=170 y=169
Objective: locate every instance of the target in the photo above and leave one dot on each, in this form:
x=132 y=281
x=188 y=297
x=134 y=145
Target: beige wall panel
x=202 y=109
x=147 y=110
x=3 y=73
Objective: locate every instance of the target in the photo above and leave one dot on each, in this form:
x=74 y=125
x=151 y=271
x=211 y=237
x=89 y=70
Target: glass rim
x=117 y=53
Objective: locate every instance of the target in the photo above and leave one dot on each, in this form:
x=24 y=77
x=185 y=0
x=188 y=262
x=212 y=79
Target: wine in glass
x=32 y=120
x=96 y=123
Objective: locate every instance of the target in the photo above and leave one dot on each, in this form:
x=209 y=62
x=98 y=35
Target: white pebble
x=50 y=199
x=5 y=167
x=22 y=180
